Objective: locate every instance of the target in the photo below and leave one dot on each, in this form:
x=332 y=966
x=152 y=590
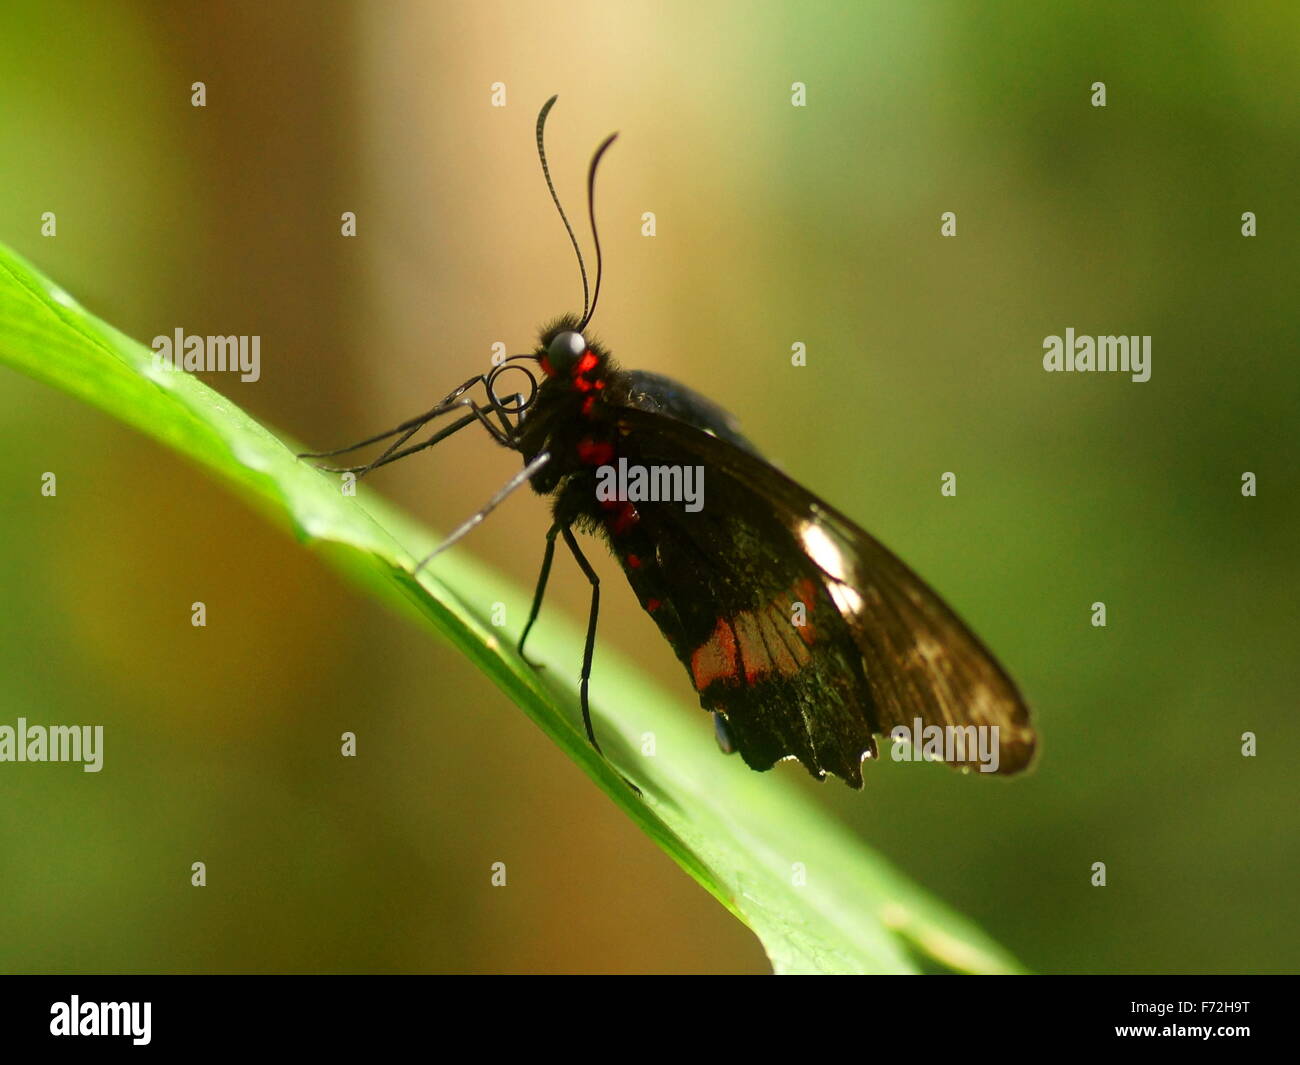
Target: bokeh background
x=774 y=225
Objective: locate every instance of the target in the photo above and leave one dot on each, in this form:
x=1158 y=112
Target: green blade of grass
x=740 y=834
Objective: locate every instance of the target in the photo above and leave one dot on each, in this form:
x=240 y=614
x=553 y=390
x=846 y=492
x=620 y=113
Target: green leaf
x=739 y=833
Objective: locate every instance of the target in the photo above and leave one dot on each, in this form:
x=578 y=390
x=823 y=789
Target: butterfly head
x=567 y=354
x=563 y=352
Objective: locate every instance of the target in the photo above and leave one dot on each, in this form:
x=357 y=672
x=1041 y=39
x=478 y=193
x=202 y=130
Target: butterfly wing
x=877 y=648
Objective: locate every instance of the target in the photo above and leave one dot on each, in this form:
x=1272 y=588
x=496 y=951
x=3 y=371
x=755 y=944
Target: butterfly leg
x=542 y=578
x=503 y=415
x=411 y=424
x=590 y=647
x=392 y=455
x=475 y=519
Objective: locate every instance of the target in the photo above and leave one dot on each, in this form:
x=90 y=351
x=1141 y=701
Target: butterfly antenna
x=591 y=212
x=546 y=172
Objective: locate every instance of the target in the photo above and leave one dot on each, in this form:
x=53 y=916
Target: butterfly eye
x=565 y=349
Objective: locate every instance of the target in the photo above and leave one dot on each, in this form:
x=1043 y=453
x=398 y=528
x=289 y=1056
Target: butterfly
x=803 y=636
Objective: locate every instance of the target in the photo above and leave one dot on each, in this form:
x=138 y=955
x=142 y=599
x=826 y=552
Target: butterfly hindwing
x=727 y=593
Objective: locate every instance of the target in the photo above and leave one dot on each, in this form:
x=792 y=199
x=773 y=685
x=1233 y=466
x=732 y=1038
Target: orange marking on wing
x=783 y=613
x=797 y=645
x=753 y=652
x=771 y=623
x=757 y=642
x=806 y=591
x=715 y=659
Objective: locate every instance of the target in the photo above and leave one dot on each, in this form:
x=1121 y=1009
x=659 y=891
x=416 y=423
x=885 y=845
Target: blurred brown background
x=775 y=224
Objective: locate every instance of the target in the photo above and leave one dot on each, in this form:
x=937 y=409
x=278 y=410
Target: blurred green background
x=774 y=225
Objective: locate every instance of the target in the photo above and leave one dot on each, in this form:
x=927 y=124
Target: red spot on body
x=623 y=518
x=634 y=561
x=547 y=368
x=595 y=452
x=581 y=368
x=587 y=404
x=652 y=605
x=715 y=659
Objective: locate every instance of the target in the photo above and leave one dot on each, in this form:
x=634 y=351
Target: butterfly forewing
x=876 y=648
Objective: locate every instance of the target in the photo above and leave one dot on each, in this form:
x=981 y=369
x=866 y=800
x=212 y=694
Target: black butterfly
x=802 y=634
